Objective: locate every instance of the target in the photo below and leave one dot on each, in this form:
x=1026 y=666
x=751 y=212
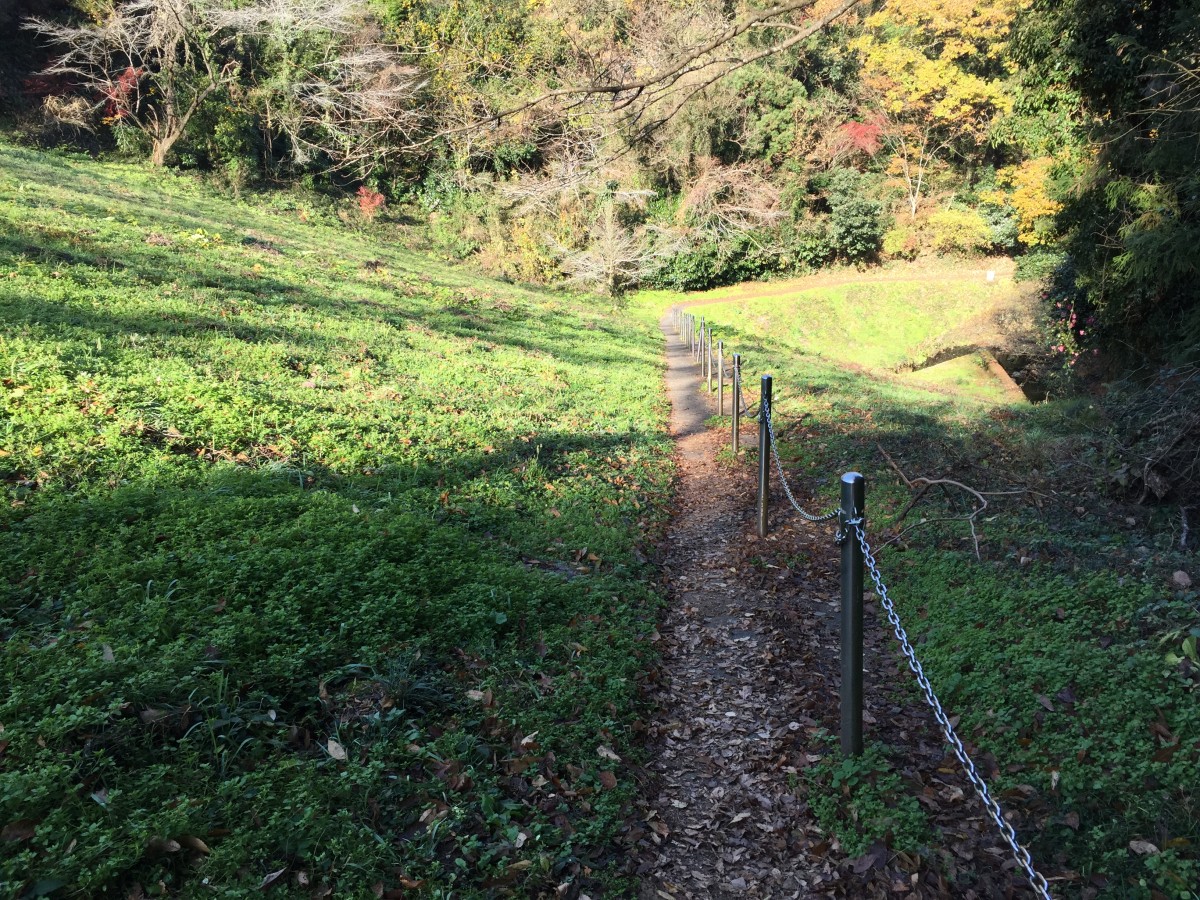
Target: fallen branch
x=922 y=485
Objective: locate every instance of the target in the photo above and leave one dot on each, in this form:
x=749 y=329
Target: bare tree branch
x=658 y=85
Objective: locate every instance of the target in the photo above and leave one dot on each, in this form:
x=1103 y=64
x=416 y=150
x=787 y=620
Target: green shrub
x=811 y=244
x=457 y=220
x=856 y=228
x=958 y=230
x=902 y=242
x=1004 y=226
x=1038 y=264
x=856 y=220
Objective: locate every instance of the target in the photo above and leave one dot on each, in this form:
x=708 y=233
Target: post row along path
x=749 y=681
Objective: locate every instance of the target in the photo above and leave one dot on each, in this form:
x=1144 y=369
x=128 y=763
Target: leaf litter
x=748 y=694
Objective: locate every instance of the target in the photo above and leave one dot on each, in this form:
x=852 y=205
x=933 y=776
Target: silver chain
x=1040 y=887
x=804 y=514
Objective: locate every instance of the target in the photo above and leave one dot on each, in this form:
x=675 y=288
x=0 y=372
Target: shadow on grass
x=206 y=632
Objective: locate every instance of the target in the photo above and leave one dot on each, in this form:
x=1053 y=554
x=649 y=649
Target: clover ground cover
x=321 y=564
x=1063 y=648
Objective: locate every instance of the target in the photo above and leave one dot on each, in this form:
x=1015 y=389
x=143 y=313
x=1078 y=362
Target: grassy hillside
x=319 y=562
x=886 y=324
x=1068 y=649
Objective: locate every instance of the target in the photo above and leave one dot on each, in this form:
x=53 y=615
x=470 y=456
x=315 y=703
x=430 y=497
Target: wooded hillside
x=681 y=144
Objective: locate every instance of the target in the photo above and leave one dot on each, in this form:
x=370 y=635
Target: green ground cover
x=1066 y=649
x=885 y=326
x=877 y=324
x=319 y=561
x=966 y=376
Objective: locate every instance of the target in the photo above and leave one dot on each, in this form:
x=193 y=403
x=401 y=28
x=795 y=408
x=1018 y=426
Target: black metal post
x=737 y=401
x=720 y=378
x=764 y=454
x=854 y=501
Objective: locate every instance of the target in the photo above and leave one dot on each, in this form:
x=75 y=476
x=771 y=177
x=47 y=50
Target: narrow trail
x=721 y=815
x=748 y=692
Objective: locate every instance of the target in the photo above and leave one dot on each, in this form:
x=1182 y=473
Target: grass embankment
x=1061 y=649
x=895 y=325
x=320 y=562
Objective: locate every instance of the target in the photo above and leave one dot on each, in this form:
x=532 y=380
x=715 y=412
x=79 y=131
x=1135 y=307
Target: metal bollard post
x=720 y=378
x=708 y=369
x=737 y=401
x=764 y=454
x=854 y=501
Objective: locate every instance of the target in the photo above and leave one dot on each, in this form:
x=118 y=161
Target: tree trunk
x=162 y=146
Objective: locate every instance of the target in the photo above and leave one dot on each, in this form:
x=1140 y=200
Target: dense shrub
x=1037 y=264
x=810 y=243
x=856 y=219
x=902 y=242
x=856 y=228
x=958 y=230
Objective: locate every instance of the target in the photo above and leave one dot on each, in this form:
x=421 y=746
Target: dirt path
x=723 y=820
x=749 y=679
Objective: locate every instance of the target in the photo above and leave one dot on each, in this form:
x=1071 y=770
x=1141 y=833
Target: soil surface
x=749 y=689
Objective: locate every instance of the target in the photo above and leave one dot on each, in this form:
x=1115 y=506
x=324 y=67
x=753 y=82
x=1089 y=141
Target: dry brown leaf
x=269 y=880
x=20 y=830
x=1143 y=848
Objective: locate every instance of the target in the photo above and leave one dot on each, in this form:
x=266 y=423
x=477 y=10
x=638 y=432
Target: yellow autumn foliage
x=1028 y=195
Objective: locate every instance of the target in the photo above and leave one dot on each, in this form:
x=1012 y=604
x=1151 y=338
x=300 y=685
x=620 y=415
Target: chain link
x=853 y=527
x=1024 y=860
x=804 y=514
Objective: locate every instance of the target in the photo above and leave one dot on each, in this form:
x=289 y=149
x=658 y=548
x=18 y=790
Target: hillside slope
x=1055 y=616
x=319 y=562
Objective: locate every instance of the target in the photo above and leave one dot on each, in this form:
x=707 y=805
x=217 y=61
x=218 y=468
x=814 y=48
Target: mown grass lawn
x=1063 y=649
x=321 y=564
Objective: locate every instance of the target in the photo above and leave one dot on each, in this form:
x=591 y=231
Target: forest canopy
x=687 y=144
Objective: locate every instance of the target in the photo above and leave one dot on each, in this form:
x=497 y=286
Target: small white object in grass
x=991 y=275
